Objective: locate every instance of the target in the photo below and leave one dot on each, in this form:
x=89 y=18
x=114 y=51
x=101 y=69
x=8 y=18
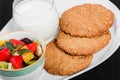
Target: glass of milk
x=38 y=16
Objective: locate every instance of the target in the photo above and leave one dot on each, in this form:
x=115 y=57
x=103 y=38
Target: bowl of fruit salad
x=22 y=55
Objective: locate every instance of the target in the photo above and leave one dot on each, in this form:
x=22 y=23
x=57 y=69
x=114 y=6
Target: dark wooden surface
x=108 y=70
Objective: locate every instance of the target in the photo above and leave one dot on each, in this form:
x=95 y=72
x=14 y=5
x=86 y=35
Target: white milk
x=38 y=16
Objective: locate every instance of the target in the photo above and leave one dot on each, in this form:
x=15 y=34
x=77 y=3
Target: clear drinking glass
x=39 y=16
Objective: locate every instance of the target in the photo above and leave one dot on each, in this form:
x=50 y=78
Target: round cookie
x=87 y=20
x=82 y=46
x=59 y=63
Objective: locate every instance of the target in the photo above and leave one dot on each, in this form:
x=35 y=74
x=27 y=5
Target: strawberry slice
x=16 y=61
x=4 y=54
x=32 y=46
x=15 y=42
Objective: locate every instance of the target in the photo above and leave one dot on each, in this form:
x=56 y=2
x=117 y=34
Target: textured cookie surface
x=82 y=46
x=59 y=63
x=87 y=20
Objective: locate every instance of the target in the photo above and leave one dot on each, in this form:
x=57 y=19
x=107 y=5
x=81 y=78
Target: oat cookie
x=87 y=20
x=82 y=46
x=59 y=63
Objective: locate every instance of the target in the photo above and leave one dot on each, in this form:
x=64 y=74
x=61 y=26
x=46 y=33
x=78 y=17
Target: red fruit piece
x=32 y=46
x=15 y=42
x=16 y=61
x=4 y=54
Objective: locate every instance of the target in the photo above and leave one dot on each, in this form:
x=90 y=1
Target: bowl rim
x=43 y=48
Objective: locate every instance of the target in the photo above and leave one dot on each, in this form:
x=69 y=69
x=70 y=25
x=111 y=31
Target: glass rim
x=46 y=12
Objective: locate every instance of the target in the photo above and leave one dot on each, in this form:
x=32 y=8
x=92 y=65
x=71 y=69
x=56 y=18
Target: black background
x=108 y=70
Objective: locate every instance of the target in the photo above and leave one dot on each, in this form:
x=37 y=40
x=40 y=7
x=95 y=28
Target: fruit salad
x=15 y=54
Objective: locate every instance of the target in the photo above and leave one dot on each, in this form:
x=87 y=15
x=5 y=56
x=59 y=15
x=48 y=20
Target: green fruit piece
x=4 y=65
x=31 y=62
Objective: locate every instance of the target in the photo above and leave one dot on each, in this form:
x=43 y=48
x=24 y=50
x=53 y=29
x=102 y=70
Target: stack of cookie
x=84 y=30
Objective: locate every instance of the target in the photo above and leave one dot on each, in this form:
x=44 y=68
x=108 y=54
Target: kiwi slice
x=31 y=62
x=4 y=65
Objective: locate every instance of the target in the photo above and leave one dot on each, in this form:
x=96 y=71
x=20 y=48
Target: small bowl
x=31 y=72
